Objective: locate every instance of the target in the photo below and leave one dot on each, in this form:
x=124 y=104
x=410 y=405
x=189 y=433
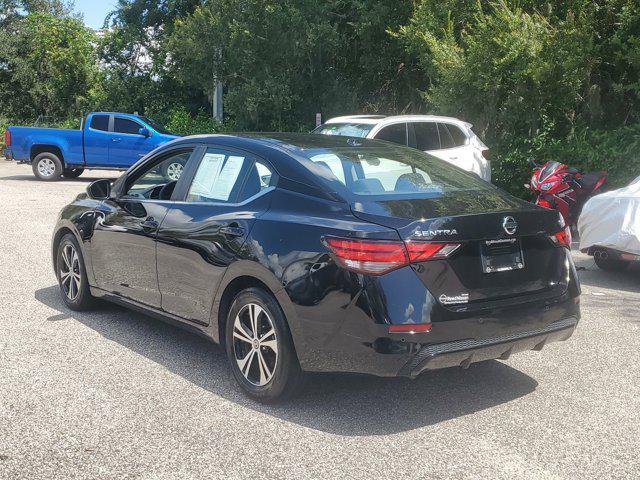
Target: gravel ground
x=115 y=394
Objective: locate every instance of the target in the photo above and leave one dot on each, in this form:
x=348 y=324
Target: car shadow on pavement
x=341 y=404
x=591 y=275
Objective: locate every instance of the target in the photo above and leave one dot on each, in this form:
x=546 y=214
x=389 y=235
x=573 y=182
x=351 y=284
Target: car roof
x=291 y=142
x=285 y=151
x=383 y=120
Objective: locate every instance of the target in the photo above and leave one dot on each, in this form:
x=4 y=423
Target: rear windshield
x=345 y=129
x=390 y=170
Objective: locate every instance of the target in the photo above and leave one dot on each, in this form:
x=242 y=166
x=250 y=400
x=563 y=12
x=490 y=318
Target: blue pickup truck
x=106 y=140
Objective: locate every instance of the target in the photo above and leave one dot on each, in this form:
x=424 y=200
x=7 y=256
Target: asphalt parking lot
x=115 y=394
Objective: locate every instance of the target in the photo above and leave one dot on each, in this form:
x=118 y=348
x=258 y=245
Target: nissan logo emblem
x=510 y=225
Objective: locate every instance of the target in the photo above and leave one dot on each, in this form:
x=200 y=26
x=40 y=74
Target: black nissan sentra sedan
x=312 y=253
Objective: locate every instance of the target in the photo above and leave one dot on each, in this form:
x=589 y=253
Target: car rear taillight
x=7 y=138
x=485 y=154
x=562 y=238
x=376 y=257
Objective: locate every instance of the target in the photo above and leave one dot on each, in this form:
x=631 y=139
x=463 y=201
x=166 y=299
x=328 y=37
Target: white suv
x=444 y=137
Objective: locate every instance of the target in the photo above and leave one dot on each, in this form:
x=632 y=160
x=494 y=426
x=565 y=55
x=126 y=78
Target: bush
x=181 y=122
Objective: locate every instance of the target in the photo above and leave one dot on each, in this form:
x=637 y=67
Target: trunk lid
x=491 y=227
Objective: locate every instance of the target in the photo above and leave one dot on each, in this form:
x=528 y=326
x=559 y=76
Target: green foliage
x=181 y=122
x=47 y=67
x=533 y=77
x=551 y=80
x=281 y=62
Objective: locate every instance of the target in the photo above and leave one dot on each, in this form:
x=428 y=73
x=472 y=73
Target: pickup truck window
x=100 y=122
x=122 y=125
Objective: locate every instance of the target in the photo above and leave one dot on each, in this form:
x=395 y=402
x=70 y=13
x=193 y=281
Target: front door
x=204 y=233
x=127 y=145
x=124 y=238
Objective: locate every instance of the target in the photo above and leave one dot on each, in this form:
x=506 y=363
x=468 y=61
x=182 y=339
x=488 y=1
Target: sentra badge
x=434 y=233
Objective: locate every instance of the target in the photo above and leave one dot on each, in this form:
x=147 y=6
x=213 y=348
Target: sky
x=94 y=11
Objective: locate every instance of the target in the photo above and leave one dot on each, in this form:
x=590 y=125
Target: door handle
x=149 y=224
x=116 y=140
x=232 y=230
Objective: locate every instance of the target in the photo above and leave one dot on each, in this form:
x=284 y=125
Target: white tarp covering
x=612 y=220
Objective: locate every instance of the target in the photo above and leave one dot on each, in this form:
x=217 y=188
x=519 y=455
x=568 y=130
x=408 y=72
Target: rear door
x=454 y=147
x=96 y=141
x=127 y=145
x=204 y=231
x=396 y=133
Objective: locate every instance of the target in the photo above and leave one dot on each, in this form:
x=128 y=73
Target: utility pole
x=216 y=101
x=216 y=98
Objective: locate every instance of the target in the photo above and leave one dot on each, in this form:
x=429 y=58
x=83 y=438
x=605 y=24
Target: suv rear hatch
x=505 y=247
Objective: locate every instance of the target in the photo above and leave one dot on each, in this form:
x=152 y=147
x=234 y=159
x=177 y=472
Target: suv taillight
x=376 y=257
x=7 y=138
x=562 y=238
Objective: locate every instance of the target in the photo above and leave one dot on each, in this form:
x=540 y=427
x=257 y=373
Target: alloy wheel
x=46 y=167
x=174 y=170
x=255 y=344
x=70 y=275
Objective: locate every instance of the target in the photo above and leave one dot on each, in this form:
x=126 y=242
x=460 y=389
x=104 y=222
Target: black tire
x=47 y=166
x=72 y=172
x=287 y=376
x=172 y=170
x=609 y=264
x=82 y=300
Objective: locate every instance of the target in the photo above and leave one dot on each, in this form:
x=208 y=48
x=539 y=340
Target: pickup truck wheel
x=172 y=170
x=47 y=166
x=72 y=172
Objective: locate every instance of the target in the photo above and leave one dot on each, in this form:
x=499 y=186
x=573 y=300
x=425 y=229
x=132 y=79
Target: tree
x=47 y=67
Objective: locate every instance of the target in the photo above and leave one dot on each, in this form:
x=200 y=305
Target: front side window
x=159 y=179
x=396 y=133
x=123 y=125
x=100 y=122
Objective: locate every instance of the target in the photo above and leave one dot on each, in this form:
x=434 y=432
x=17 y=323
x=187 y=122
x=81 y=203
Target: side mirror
x=527 y=186
x=100 y=189
x=532 y=162
x=144 y=132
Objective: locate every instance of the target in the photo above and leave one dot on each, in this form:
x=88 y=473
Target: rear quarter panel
x=24 y=139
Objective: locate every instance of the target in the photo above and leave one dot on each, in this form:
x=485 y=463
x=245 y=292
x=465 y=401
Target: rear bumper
x=7 y=153
x=465 y=352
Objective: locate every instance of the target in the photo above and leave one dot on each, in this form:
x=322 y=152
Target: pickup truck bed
x=106 y=141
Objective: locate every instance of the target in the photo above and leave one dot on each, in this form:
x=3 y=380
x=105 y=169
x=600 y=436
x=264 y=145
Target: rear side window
x=427 y=137
x=100 y=122
x=459 y=138
x=122 y=125
x=396 y=133
x=258 y=178
x=228 y=177
x=446 y=140
x=451 y=136
x=331 y=163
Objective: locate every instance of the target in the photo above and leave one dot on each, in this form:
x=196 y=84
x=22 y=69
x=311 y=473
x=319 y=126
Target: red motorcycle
x=563 y=188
